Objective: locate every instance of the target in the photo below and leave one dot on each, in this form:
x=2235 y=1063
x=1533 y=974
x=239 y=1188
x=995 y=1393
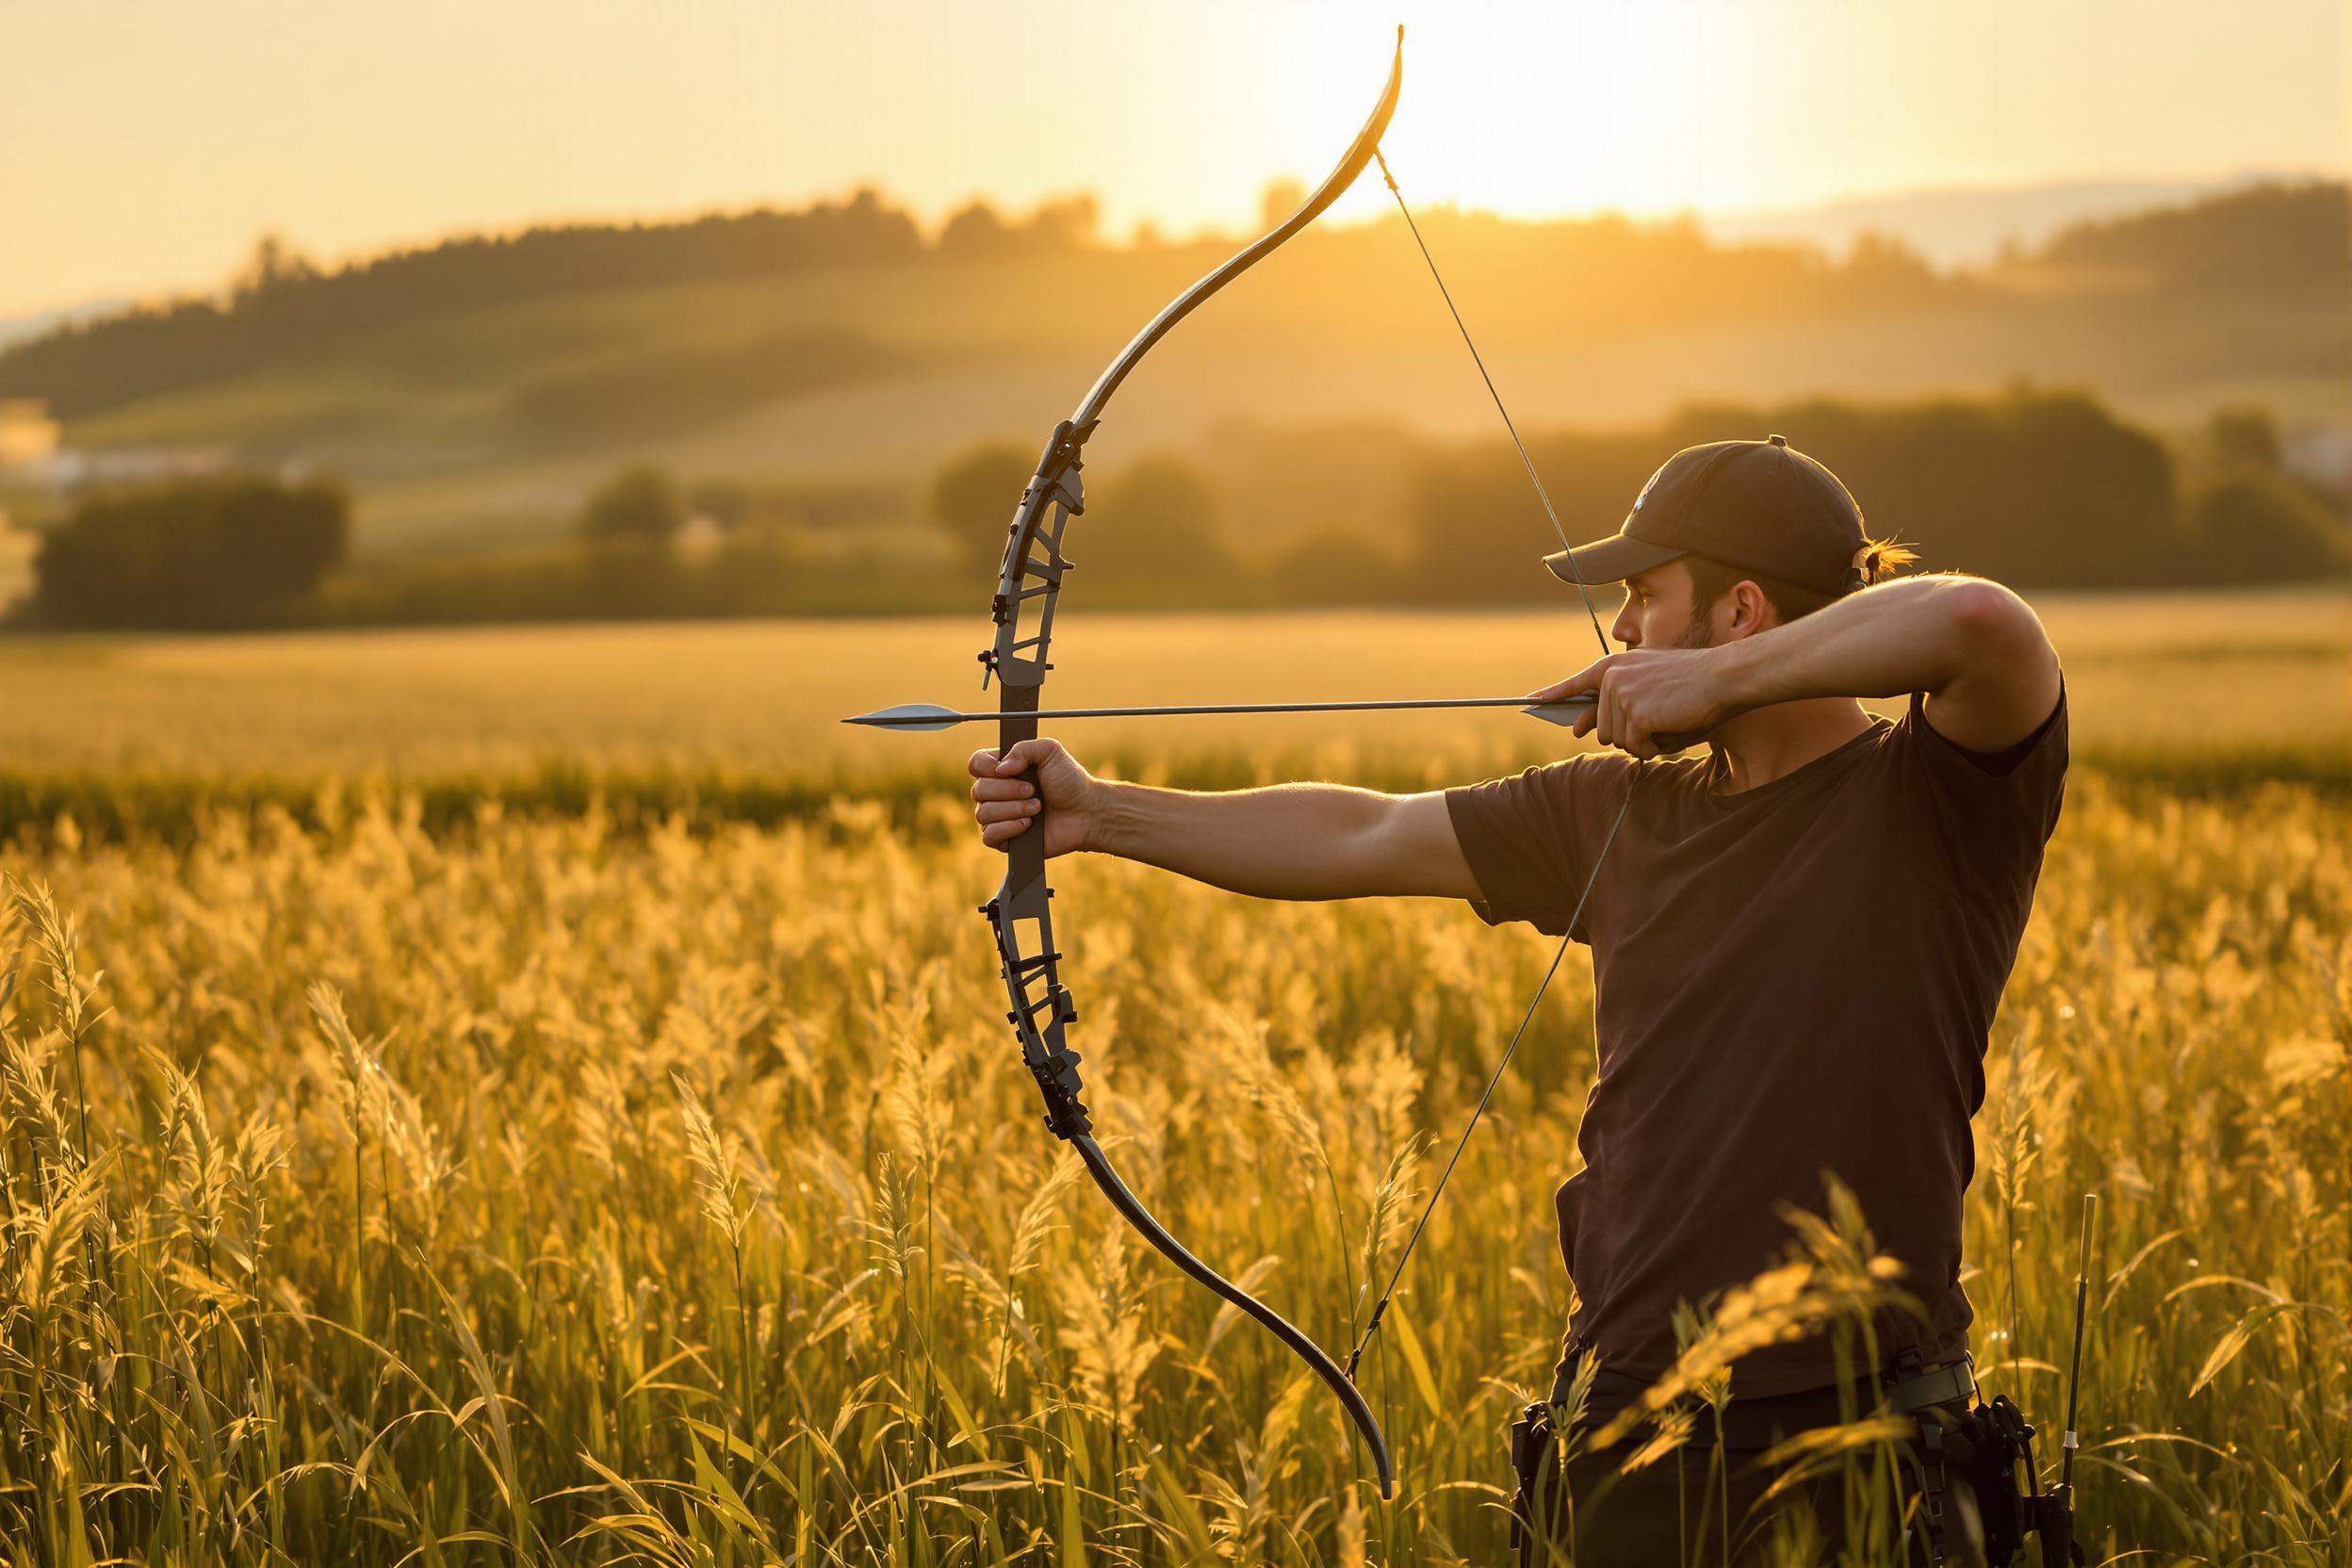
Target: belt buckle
x=1940 y=1387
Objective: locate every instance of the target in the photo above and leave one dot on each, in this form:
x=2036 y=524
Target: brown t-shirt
x=1795 y=978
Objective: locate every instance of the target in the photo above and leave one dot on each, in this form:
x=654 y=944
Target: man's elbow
x=1992 y=626
x=1409 y=850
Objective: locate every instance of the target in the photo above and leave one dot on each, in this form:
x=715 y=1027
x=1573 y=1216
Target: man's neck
x=1772 y=742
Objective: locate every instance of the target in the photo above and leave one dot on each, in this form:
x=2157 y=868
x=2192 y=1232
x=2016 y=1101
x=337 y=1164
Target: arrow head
x=910 y=715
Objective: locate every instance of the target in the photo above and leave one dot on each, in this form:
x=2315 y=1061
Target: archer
x=1798 y=946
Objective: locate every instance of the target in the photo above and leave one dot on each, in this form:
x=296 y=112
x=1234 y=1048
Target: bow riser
x=1027 y=586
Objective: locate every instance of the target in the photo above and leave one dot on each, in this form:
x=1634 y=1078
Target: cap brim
x=1610 y=560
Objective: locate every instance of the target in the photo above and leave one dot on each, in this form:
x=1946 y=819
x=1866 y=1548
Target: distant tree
x=975 y=230
x=2246 y=438
x=979 y=230
x=725 y=501
x=2263 y=527
x=639 y=504
x=974 y=495
x=1064 y=225
x=1152 y=539
x=1886 y=266
x=1337 y=567
x=274 y=262
x=238 y=550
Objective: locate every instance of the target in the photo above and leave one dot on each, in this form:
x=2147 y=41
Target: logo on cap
x=1647 y=488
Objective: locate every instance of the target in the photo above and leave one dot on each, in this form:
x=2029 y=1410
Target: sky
x=145 y=144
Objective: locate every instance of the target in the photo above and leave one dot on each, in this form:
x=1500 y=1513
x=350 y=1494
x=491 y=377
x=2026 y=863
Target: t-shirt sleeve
x=1531 y=839
x=1988 y=813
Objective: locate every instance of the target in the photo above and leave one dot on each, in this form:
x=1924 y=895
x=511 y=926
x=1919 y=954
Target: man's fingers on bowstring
x=1622 y=729
x=1617 y=729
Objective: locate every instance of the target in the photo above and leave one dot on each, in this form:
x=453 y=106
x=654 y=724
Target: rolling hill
x=472 y=393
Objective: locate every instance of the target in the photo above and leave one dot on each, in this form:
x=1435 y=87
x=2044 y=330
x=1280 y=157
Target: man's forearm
x=1916 y=635
x=1290 y=841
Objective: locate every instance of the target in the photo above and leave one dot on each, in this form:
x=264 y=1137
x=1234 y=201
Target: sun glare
x=1535 y=112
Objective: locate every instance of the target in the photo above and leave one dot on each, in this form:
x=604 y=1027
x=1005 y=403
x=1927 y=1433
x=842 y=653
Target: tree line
x=2037 y=489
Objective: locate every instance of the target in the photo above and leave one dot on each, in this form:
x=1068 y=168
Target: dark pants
x=1704 y=1505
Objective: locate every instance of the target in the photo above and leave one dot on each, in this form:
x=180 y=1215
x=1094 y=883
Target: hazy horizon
x=248 y=118
x=1829 y=222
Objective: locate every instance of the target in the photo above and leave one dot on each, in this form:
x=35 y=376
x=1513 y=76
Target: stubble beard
x=1698 y=634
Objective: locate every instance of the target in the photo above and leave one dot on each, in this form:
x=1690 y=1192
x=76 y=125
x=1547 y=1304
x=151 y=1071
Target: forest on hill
x=2278 y=245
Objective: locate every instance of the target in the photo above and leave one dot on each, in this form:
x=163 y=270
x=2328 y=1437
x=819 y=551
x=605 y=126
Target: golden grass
x=540 y=1193
x=462 y=1182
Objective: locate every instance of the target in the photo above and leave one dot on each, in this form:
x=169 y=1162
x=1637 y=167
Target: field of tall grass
x=392 y=1177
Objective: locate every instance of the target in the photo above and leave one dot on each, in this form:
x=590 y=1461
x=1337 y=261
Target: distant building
x=27 y=434
x=69 y=470
x=32 y=450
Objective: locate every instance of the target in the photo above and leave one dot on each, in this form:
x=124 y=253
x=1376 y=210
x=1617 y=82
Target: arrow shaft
x=929 y=720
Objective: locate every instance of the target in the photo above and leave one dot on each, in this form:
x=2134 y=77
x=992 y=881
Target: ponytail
x=1875 y=557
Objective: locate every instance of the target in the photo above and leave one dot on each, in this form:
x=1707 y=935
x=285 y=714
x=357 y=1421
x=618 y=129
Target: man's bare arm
x=1288 y=842
x=1976 y=648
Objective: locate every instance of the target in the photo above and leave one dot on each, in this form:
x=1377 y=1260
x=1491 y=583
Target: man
x=1798 y=943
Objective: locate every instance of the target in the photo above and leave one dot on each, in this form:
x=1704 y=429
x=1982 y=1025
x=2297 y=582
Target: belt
x=1766 y=1421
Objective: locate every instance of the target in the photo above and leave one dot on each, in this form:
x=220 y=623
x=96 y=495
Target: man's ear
x=1751 y=611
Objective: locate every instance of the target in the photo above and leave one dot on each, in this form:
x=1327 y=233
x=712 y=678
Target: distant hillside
x=472 y=392
x=41 y=324
x=2293 y=238
x=1966 y=226
x=285 y=308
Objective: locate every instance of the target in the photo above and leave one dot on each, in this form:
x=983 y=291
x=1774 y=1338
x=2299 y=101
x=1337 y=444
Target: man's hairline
x=1635 y=579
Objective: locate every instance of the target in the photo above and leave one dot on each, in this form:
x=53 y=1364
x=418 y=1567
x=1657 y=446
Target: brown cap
x=1760 y=505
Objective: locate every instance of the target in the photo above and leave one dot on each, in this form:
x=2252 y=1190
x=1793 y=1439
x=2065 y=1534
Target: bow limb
x=1360 y=153
x=1131 y=1209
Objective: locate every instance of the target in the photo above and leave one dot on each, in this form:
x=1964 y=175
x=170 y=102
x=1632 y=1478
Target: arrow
x=923 y=715
x=928 y=716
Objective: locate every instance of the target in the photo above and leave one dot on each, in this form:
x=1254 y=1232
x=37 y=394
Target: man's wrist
x=1739 y=675
x=1105 y=814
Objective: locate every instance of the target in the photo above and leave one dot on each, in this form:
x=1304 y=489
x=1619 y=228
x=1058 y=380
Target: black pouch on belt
x=1530 y=1456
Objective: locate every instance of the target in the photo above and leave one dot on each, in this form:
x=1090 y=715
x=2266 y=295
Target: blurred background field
x=2155 y=676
